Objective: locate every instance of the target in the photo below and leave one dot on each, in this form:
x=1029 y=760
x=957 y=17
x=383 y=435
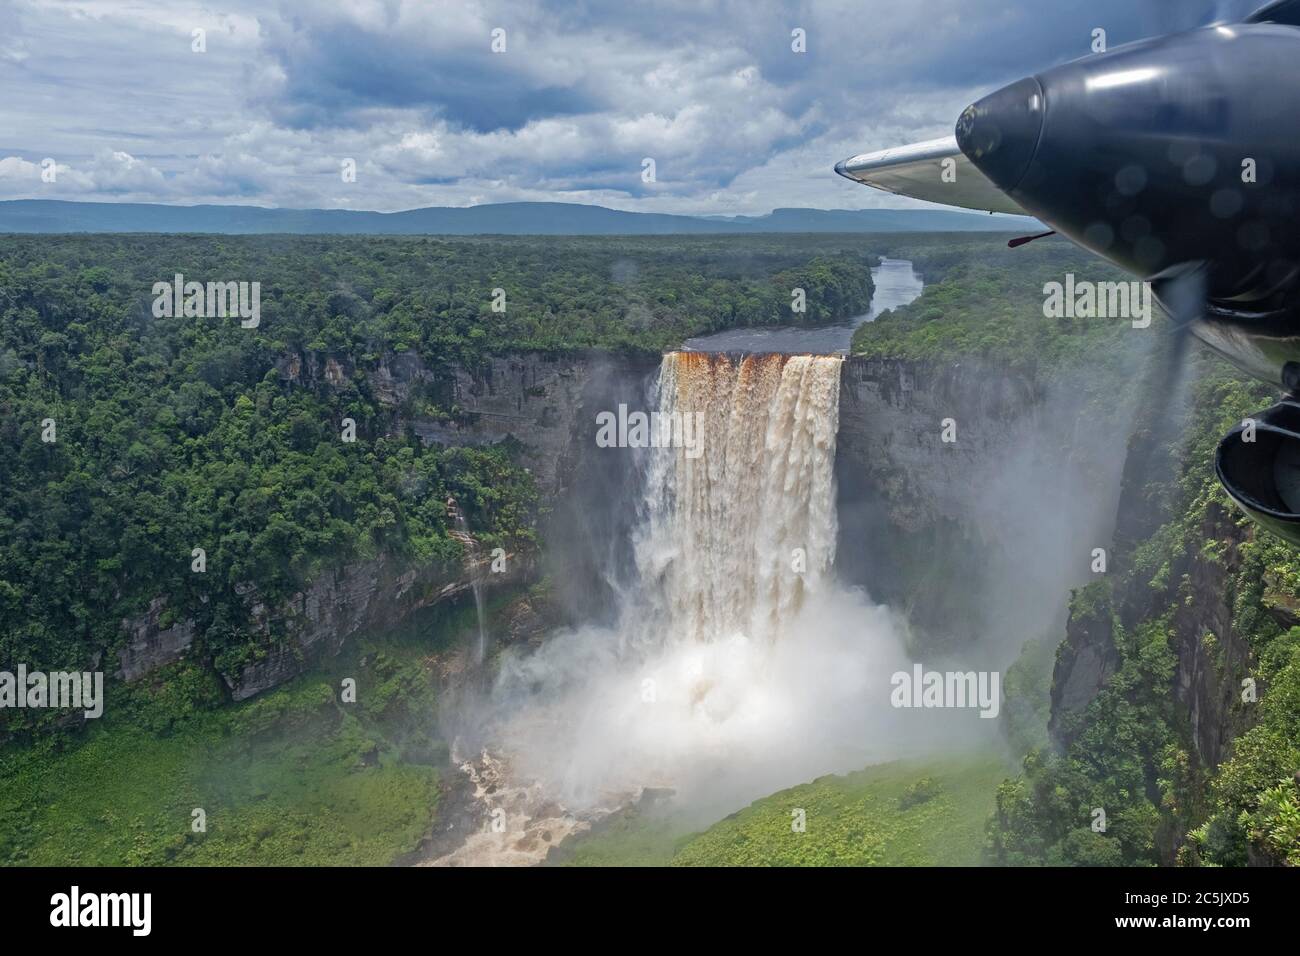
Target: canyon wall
x=978 y=540
x=541 y=404
x=312 y=624
x=1200 y=585
x=1018 y=501
x=971 y=498
x=907 y=526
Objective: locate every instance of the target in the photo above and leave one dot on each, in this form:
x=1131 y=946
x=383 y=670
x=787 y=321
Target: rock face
x=904 y=494
x=149 y=645
x=314 y=623
x=892 y=416
x=546 y=403
x=335 y=606
x=545 y=406
x=932 y=527
x=1084 y=663
x=534 y=399
x=399 y=376
x=1211 y=655
x=977 y=538
x=925 y=526
x=369 y=596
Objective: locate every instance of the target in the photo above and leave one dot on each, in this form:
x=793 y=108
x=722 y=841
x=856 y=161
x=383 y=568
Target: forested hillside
x=128 y=439
x=1191 y=744
x=1197 y=601
x=985 y=301
x=170 y=434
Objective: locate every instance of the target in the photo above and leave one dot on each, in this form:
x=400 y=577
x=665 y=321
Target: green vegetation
x=1026 y=693
x=930 y=813
x=1131 y=751
x=982 y=300
x=294 y=777
x=179 y=433
x=1255 y=797
x=188 y=432
x=647 y=834
x=1129 y=737
x=898 y=814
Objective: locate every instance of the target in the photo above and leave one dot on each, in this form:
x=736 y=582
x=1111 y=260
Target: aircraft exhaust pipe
x=1258 y=463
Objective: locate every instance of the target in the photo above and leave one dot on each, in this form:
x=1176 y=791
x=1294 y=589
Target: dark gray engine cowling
x=1161 y=155
x=1263 y=475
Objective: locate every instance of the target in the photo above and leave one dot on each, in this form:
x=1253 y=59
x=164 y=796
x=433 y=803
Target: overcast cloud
x=736 y=122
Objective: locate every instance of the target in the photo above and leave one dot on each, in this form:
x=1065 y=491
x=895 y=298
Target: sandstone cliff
x=540 y=403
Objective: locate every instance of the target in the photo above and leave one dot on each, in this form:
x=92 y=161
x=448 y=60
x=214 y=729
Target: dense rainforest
x=1197 y=594
x=129 y=440
x=1204 y=596
x=171 y=434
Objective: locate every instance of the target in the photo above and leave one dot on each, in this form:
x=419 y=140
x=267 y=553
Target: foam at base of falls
x=739 y=665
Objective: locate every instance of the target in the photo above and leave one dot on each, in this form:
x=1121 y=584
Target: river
x=896 y=284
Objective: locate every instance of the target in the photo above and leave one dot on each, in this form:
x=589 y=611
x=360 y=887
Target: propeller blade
x=1023 y=240
x=1183 y=298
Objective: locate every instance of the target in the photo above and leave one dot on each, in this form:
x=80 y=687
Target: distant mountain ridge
x=513 y=218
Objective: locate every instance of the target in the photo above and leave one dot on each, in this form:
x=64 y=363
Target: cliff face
x=1085 y=661
x=538 y=399
x=904 y=492
x=312 y=624
x=891 y=445
x=150 y=645
x=546 y=407
x=542 y=404
x=1211 y=653
x=368 y=596
x=938 y=528
x=979 y=537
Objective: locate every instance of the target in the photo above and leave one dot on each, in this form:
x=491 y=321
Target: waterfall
x=741 y=530
x=474 y=561
x=738 y=664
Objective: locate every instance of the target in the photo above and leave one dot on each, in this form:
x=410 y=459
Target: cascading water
x=739 y=664
x=737 y=534
x=475 y=563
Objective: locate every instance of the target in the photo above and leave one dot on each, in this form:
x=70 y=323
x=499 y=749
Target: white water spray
x=739 y=665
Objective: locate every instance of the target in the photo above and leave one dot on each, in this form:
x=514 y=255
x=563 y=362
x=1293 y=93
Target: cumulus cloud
x=413 y=92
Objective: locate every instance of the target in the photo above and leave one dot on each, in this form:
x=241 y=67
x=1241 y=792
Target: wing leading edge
x=918 y=171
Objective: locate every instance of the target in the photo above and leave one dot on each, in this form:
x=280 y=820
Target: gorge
x=736 y=664
x=832 y=464
x=719 y=621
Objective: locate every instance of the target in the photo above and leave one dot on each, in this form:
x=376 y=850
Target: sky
x=575 y=98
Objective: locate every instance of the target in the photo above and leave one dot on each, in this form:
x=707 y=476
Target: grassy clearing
x=929 y=813
x=898 y=814
x=294 y=776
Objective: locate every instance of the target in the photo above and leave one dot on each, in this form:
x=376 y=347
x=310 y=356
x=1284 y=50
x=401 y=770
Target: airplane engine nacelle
x=1162 y=155
x=1258 y=462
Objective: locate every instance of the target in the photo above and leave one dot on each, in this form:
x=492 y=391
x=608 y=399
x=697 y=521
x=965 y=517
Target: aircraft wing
x=918 y=171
